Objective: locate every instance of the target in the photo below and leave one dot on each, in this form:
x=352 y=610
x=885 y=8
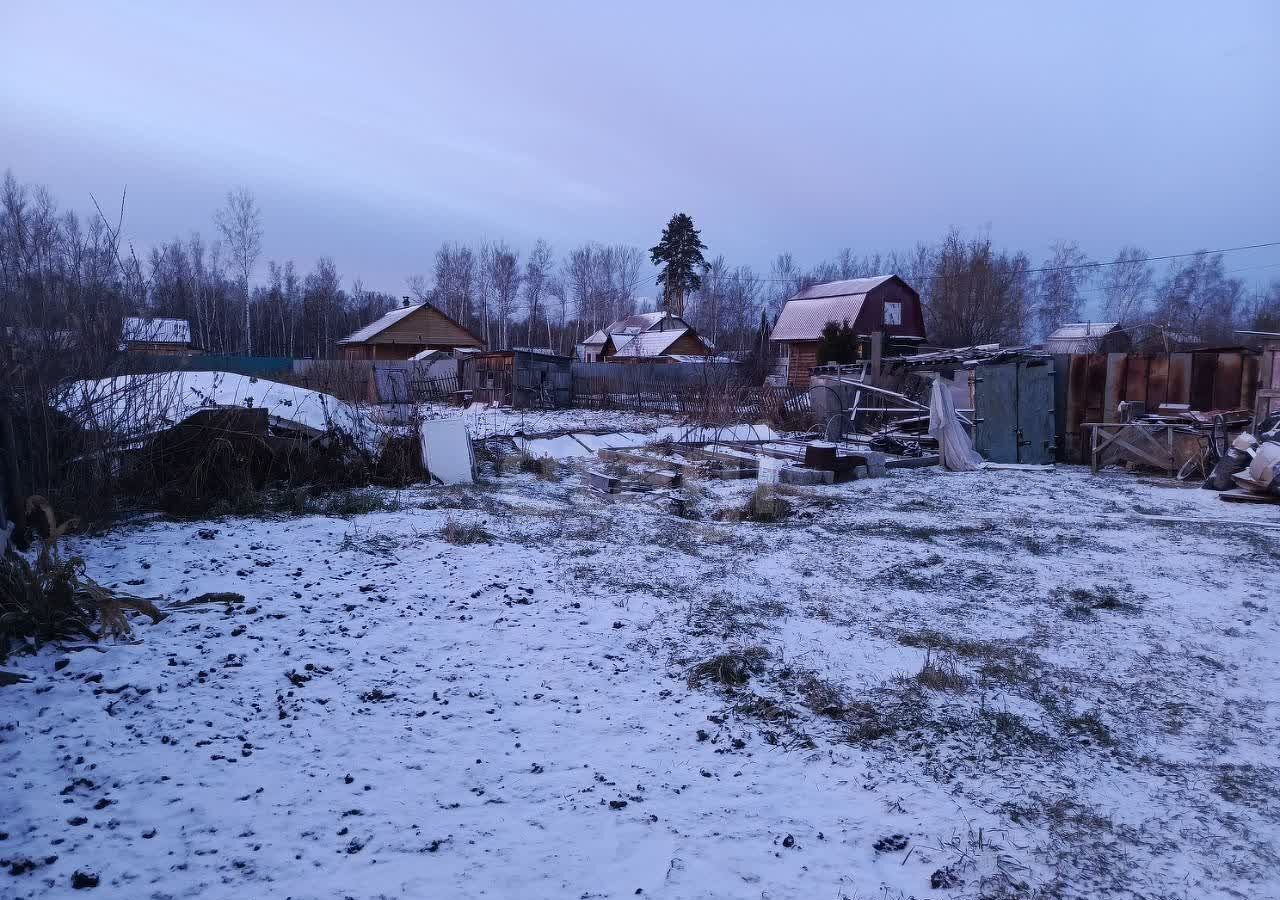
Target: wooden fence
x=1089 y=388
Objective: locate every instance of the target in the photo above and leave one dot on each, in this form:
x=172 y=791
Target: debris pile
x=1249 y=471
x=199 y=442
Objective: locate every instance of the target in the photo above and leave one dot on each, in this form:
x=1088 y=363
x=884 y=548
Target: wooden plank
x=1135 y=377
x=1077 y=390
x=1179 y=390
x=1228 y=369
x=1113 y=392
x=602 y=481
x=1097 y=385
x=1240 y=495
x=1157 y=380
x=1202 y=371
x=1249 y=381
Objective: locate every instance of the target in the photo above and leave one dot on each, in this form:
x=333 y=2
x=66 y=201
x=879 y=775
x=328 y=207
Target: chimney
x=406 y=300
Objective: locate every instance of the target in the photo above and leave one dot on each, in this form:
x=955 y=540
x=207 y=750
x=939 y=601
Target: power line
x=1042 y=269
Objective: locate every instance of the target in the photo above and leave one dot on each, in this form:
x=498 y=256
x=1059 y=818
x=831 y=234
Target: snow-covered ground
x=392 y=715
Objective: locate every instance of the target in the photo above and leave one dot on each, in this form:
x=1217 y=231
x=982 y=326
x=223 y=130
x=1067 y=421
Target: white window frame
x=897 y=308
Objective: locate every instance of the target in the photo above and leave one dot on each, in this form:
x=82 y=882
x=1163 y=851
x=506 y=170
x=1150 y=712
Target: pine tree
x=679 y=252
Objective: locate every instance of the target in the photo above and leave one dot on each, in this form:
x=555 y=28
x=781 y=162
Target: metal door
x=1036 y=432
x=995 y=401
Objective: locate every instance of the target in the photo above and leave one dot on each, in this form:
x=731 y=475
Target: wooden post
x=871 y=372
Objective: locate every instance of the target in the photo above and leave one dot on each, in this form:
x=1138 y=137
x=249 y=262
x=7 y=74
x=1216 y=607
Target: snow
x=460 y=718
x=134 y=405
x=156 y=331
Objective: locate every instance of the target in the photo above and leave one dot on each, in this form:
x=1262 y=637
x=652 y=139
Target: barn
x=407 y=331
x=884 y=303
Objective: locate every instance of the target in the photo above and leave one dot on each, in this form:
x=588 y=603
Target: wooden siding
x=804 y=356
x=424 y=329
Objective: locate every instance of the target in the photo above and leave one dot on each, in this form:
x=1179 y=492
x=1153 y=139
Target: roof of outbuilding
x=649 y=343
x=156 y=331
x=1078 y=330
x=803 y=319
x=628 y=326
x=381 y=324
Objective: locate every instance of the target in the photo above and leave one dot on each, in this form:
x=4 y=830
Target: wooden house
x=157 y=337
x=884 y=304
x=648 y=336
x=406 y=332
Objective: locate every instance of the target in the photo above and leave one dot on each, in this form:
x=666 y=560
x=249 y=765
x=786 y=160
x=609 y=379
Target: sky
x=373 y=132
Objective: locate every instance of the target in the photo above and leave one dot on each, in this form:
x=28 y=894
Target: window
x=893 y=313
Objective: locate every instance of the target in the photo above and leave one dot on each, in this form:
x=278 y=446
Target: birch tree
x=240 y=223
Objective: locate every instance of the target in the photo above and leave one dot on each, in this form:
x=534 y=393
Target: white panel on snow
x=563 y=447
x=446 y=451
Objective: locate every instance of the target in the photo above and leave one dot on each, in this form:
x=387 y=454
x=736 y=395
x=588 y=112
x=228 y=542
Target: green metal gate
x=1013 y=412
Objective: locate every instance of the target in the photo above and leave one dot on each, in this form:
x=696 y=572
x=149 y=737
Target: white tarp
x=955 y=448
x=446 y=451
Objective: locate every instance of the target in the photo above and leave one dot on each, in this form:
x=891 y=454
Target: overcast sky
x=375 y=133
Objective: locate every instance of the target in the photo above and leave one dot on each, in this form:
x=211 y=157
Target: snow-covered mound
x=138 y=405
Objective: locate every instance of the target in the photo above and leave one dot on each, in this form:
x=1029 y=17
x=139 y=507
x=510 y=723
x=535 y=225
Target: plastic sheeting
x=955 y=448
x=446 y=451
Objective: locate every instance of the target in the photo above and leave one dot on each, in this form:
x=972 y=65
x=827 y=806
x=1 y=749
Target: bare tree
x=1126 y=286
x=1197 y=299
x=1058 y=286
x=977 y=296
x=240 y=223
x=419 y=287
x=537 y=272
x=502 y=278
x=455 y=273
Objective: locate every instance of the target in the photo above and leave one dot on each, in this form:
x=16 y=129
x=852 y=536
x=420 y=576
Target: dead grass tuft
x=765 y=505
x=462 y=534
x=942 y=673
x=544 y=467
x=730 y=669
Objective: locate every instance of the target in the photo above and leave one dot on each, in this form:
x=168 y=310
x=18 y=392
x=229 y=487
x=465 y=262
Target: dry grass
x=462 y=534
x=730 y=669
x=942 y=673
x=54 y=600
x=765 y=505
x=544 y=467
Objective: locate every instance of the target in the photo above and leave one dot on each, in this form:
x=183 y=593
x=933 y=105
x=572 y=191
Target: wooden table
x=1148 y=442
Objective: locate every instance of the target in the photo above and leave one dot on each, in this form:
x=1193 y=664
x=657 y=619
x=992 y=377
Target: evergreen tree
x=838 y=343
x=679 y=252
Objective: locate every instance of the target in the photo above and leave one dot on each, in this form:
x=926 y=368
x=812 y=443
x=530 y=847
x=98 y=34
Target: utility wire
x=1042 y=269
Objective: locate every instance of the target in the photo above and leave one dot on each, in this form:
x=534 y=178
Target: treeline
x=64 y=274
